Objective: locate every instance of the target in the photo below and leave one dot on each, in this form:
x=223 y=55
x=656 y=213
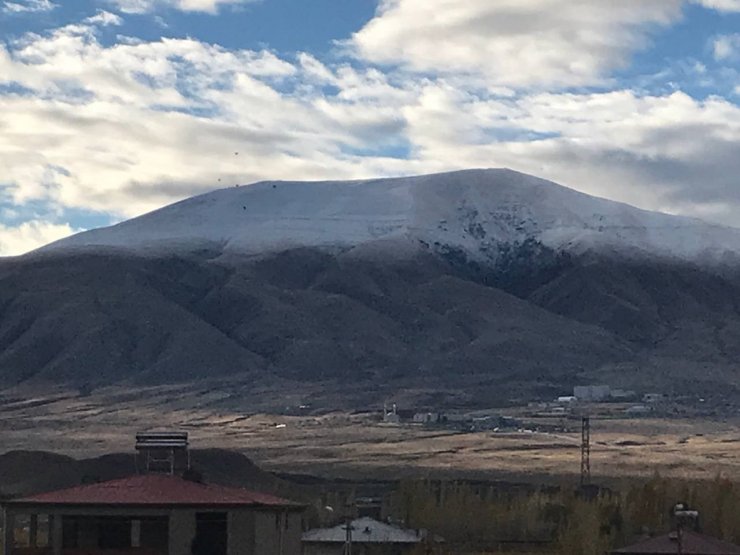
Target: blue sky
x=111 y=108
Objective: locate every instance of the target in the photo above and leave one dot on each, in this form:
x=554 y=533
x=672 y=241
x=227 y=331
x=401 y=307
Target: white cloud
x=721 y=5
x=104 y=19
x=726 y=47
x=134 y=6
x=15 y=240
x=620 y=145
x=129 y=127
x=132 y=126
x=28 y=6
x=148 y=6
x=512 y=42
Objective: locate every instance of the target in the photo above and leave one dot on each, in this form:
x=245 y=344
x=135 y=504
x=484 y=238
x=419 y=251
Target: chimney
x=162 y=452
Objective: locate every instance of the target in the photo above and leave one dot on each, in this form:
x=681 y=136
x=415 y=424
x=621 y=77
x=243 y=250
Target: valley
x=359 y=446
x=276 y=319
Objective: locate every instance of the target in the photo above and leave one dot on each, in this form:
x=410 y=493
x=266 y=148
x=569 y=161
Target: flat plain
x=357 y=445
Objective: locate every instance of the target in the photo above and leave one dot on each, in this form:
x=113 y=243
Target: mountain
x=472 y=287
x=475 y=211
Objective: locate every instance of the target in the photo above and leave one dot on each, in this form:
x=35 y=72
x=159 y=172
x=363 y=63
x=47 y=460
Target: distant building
x=509 y=422
x=483 y=423
x=458 y=418
x=391 y=415
x=369 y=506
x=368 y=537
x=692 y=543
x=592 y=393
x=428 y=418
x=653 y=398
x=618 y=394
x=405 y=414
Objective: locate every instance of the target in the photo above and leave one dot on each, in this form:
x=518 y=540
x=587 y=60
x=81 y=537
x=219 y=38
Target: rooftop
x=693 y=544
x=364 y=530
x=155 y=490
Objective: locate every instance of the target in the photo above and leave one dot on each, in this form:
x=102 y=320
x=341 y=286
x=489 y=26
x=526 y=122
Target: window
x=114 y=533
x=211 y=533
x=154 y=533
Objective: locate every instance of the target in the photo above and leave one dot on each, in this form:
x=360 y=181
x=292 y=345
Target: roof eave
x=24 y=503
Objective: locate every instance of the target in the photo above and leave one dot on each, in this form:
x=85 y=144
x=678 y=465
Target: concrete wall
x=250 y=531
x=277 y=533
x=181 y=532
x=8 y=532
x=359 y=549
x=592 y=392
x=254 y=532
x=241 y=532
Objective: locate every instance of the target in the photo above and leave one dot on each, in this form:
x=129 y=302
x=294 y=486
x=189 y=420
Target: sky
x=113 y=108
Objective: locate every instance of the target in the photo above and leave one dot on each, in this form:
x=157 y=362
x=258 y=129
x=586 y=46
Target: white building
x=427 y=417
x=391 y=416
x=367 y=535
x=592 y=393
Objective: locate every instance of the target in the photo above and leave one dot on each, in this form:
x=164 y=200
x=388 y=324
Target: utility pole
x=585 y=451
x=348 y=532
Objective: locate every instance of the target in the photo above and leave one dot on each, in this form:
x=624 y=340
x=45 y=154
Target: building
x=428 y=418
x=592 y=393
x=458 y=418
x=368 y=537
x=154 y=514
x=622 y=394
x=391 y=415
x=692 y=543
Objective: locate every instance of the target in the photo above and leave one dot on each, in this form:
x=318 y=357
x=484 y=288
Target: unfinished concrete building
x=153 y=513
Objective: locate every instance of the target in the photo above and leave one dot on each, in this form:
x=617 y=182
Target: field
x=359 y=446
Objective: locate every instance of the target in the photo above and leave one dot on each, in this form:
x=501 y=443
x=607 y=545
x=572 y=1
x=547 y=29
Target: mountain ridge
x=475 y=211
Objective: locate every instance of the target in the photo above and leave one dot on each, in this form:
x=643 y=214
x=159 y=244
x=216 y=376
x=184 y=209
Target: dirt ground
x=337 y=445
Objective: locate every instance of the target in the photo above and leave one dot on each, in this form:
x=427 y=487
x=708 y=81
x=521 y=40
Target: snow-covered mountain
x=474 y=210
x=337 y=320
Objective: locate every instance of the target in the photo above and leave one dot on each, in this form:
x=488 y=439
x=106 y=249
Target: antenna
x=162 y=451
x=684 y=516
x=585 y=451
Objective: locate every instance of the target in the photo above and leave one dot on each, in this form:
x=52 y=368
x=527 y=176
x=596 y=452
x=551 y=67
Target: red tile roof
x=155 y=490
x=693 y=544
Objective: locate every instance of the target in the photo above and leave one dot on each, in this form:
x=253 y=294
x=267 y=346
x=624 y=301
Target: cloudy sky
x=111 y=108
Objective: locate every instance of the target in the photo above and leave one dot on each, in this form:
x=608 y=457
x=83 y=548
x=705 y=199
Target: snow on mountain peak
x=472 y=210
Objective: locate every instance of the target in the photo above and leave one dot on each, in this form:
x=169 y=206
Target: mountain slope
x=107 y=319
x=102 y=318
x=482 y=286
